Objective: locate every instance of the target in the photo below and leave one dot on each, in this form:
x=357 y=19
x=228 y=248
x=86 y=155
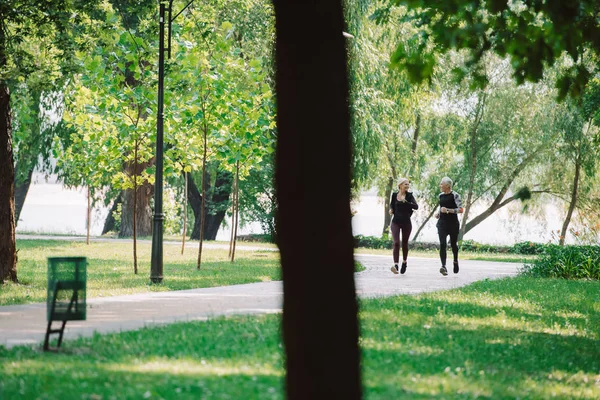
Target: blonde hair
x=401 y=181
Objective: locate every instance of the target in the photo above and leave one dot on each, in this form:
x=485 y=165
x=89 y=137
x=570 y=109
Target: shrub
x=372 y=242
x=528 y=248
x=256 y=237
x=473 y=246
x=567 y=262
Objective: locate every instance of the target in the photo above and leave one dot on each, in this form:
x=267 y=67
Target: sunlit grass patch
x=110 y=269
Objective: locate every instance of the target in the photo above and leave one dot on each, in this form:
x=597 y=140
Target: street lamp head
x=347 y=35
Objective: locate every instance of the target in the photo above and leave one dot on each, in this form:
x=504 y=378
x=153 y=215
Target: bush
x=256 y=237
x=473 y=246
x=372 y=242
x=567 y=262
x=528 y=248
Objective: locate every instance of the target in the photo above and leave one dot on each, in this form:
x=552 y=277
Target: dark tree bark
x=320 y=325
x=109 y=222
x=473 y=138
x=195 y=200
x=414 y=145
x=143 y=212
x=572 y=204
x=203 y=208
x=28 y=159
x=21 y=194
x=185 y=174
x=8 y=251
x=217 y=204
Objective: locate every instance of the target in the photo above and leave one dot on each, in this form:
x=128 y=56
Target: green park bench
x=66 y=294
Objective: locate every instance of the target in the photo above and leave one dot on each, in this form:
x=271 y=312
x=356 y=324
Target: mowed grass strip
x=511 y=338
x=110 y=268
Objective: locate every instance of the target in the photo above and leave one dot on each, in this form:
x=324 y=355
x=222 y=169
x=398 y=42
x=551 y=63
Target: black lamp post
x=156 y=269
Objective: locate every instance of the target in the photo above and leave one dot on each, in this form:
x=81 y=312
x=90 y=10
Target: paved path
x=26 y=324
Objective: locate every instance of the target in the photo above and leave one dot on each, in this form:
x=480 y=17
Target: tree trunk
x=109 y=222
x=387 y=218
x=219 y=195
x=498 y=201
x=185 y=174
x=563 y=232
x=413 y=150
x=203 y=206
x=418 y=232
x=233 y=202
x=217 y=204
x=237 y=209
x=195 y=200
x=142 y=200
x=493 y=208
x=89 y=215
x=8 y=251
x=320 y=324
x=21 y=194
x=469 y=198
x=135 y=206
x=28 y=159
x=474 y=129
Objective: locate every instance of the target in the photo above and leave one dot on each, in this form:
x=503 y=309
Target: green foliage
x=471 y=246
x=534 y=34
x=591 y=102
x=257 y=197
x=372 y=242
x=108 y=108
x=528 y=248
x=475 y=247
x=566 y=262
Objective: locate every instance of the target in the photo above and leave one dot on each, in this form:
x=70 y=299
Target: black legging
x=443 y=233
x=406 y=229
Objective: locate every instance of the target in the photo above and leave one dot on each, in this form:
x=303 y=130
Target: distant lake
x=52 y=208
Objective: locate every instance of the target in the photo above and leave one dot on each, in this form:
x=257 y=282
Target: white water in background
x=51 y=208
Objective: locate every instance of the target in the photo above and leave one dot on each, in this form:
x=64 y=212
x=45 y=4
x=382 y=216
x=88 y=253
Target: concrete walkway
x=26 y=324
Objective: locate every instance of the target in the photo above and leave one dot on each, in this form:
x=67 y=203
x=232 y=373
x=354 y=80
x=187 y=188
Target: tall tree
x=320 y=326
x=578 y=147
x=22 y=21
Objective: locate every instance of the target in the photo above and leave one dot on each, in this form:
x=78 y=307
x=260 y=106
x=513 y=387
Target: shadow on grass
x=221 y=358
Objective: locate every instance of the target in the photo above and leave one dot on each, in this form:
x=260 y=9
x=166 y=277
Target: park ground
x=517 y=337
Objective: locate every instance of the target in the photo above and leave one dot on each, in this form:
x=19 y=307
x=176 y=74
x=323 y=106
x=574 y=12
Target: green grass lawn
x=110 y=269
x=513 y=338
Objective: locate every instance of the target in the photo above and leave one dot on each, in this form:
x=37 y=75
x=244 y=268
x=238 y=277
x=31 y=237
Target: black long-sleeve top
x=403 y=210
x=453 y=202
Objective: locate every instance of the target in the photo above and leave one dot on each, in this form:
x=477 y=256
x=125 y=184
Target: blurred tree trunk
x=320 y=324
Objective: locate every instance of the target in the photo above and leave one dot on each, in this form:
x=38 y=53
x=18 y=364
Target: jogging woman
x=401 y=207
x=450 y=206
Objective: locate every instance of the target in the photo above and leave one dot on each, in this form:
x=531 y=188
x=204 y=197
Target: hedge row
x=373 y=242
